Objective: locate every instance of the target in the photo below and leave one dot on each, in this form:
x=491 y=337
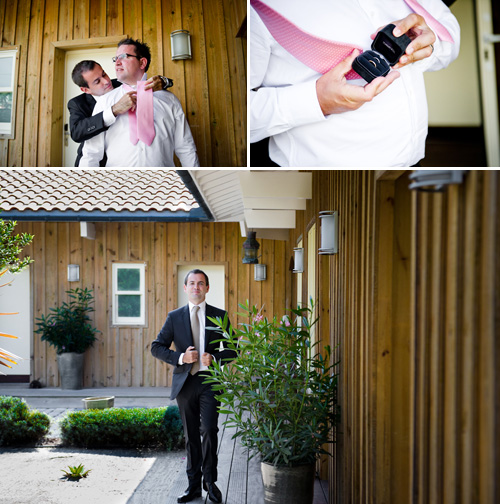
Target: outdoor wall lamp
x=73 y=273
x=259 y=272
x=329 y=233
x=180 y=44
x=435 y=180
x=250 y=248
x=298 y=261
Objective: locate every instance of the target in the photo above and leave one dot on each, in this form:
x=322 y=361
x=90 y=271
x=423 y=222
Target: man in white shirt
x=315 y=120
x=172 y=132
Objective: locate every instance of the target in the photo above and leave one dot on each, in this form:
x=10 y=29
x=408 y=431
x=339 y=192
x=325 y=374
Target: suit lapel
x=187 y=325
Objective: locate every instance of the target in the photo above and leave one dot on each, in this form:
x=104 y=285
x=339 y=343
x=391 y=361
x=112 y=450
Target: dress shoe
x=214 y=494
x=192 y=492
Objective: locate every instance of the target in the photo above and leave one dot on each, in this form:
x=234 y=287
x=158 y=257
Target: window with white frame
x=129 y=293
x=8 y=78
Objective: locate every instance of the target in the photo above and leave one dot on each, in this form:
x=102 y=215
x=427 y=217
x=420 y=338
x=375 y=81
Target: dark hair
x=196 y=272
x=83 y=66
x=141 y=50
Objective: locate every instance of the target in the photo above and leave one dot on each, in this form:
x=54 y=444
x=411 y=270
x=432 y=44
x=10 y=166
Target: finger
x=404 y=25
x=346 y=65
x=190 y=349
x=378 y=85
x=416 y=56
x=425 y=39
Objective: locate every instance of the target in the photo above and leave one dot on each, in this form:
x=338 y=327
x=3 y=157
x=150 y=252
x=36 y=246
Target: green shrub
x=124 y=428
x=19 y=425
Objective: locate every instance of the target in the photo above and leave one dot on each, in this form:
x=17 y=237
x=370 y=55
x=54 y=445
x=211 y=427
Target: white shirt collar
x=202 y=305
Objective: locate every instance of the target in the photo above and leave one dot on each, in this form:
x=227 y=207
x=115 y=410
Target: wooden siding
x=122 y=355
x=211 y=86
x=411 y=303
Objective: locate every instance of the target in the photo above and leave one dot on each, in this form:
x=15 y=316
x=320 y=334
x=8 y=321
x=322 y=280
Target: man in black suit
x=196 y=347
x=93 y=81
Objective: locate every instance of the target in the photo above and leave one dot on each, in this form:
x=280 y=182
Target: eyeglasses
x=123 y=56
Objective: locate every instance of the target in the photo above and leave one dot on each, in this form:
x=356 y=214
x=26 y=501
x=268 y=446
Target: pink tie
x=141 y=120
x=317 y=53
x=320 y=54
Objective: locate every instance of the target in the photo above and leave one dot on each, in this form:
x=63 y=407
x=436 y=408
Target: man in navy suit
x=197 y=401
x=93 y=81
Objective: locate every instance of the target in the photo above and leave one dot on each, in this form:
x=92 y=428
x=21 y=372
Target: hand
x=125 y=103
x=206 y=359
x=154 y=83
x=190 y=356
x=422 y=38
x=335 y=95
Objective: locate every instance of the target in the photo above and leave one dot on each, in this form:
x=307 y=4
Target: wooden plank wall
x=411 y=303
x=456 y=348
x=211 y=86
x=122 y=355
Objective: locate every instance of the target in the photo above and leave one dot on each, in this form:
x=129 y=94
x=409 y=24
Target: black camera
x=385 y=53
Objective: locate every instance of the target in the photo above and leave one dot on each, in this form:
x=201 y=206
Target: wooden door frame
x=488 y=81
x=58 y=55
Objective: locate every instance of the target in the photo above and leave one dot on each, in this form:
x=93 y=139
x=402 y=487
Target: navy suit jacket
x=82 y=124
x=177 y=330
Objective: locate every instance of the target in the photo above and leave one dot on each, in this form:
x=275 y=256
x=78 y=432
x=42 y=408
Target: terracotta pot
x=288 y=485
x=71 y=370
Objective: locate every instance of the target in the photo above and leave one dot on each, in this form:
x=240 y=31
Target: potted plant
x=280 y=394
x=68 y=328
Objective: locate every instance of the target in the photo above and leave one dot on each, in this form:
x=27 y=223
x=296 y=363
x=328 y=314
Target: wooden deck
x=239 y=478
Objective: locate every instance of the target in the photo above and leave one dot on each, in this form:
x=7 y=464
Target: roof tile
x=94 y=190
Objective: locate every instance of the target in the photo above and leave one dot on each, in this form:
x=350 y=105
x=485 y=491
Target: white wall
x=453 y=93
x=15 y=298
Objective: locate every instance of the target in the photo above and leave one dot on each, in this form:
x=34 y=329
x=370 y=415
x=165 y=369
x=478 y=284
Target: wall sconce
x=435 y=180
x=250 y=248
x=329 y=233
x=298 y=260
x=180 y=44
x=73 y=273
x=259 y=272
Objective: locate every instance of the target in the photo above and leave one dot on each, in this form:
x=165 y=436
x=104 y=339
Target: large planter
x=71 y=370
x=288 y=485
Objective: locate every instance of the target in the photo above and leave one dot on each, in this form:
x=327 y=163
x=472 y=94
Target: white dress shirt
x=388 y=131
x=172 y=134
x=201 y=318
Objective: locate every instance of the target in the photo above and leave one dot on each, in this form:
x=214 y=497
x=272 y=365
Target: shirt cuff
x=305 y=109
x=180 y=360
x=108 y=117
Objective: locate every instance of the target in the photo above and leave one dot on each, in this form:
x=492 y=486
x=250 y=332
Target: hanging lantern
x=250 y=249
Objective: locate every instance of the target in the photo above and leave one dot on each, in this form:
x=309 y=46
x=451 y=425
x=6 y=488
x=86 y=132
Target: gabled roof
x=96 y=195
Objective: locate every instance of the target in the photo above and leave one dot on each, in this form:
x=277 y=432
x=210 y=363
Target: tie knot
x=195 y=309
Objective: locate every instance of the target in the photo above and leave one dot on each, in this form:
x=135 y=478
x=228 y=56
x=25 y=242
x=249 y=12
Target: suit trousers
x=198 y=408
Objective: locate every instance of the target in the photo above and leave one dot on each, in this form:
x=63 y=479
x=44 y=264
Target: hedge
x=19 y=425
x=124 y=428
